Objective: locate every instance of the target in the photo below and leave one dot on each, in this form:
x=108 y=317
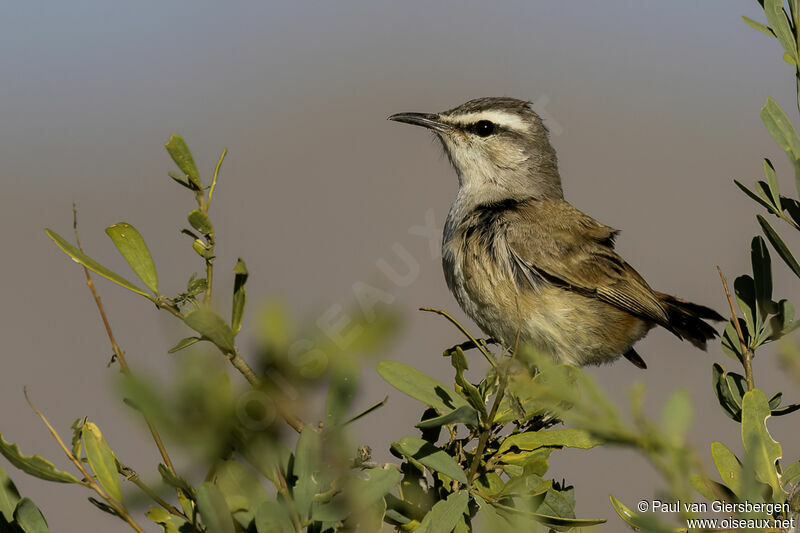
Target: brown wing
x=555 y=241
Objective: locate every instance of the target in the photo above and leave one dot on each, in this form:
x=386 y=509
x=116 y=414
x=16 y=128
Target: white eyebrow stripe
x=501 y=118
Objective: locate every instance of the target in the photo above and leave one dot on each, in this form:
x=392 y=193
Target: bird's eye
x=484 y=128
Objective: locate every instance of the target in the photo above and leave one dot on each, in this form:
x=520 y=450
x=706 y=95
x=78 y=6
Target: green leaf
x=102 y=460
x=783 y=132
x=744 y=289
x=432 y=457
x=772 y=184
x=170 y=522
x=759 y=446
x=133 y=248
x=569 y=438
x=786 y=409
x=308 y=470
x=730 y=339
x=459 y=361
x=180 y=153
x=241 y=489
x=464 y=415
x=184 y=343
x=365 y=412
x=728 y=466
x=34 y=465
x=779 y=245
x=781 y=128
x=183 y=180
x=175 y=481
x=757 y=25
x=211 y=326
x=360 y=494
x=729 y=398
x=791 y=475
x=677 y=415
x=420 y=386
x=273 y=517
x=760 y=198
x=342 y=391
x=710 y=489
x=29 y=518
x=9 y=496
x=644 y=522
x=91 y=264
x=200 y=222
x=213 y=509
x=239 y=295
x=762 y=278
x=443 y=517
x=776 y=17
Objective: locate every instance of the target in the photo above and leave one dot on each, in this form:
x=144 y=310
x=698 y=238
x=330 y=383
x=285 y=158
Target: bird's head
x=498 y=146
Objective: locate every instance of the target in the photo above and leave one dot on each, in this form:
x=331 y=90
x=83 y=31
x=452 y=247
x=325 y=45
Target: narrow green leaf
x=34 y=465
x=757 y=197
x=213 y=509
x=772 y=183
x=9 y=496
x=430 y=456
x=471 y=393
x=569 y=438
x=781 y=129
x=200 y=222
x=102 y=460
x=308 y=470
x=710 y=489
x=184 y=343
x=342 y=391
x=239 y=295
x=464 y=415
x=759 y=446
x=791 y=475
x=420 y=386
x=366 y=411
x=211 y=326
x=174 y=480
x=91 y=264
x=443 y=517
x=644 y=522
x=216 y=174
x=728 y=466
x=744 y=289
x=29 y=518
x=180 y=153
x=133 y=248
x=183 y=180
x=785 y=410
x=757 y=25
x=776 y=17
x=779 y=245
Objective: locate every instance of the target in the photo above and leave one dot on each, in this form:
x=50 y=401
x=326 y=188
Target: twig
x=121 y=512
x=747 y=353
x=463 y=330
x=118 y=353
x=133 y=477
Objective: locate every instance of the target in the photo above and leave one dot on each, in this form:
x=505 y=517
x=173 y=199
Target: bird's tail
x=688 y=320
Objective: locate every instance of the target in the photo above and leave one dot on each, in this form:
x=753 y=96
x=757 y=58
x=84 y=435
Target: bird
x=526 y=265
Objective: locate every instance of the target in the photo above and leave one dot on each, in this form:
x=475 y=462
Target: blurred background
x=654 y=110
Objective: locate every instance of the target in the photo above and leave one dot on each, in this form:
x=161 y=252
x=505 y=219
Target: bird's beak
x=426 y=120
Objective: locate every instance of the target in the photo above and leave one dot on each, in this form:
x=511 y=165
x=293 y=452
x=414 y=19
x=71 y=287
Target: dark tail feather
x=688 y=320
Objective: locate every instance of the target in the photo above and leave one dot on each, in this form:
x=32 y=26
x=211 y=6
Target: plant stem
x=747 y=353
x=487 y=430
x=121 y=512
x=463 y=330
x=133 y=477
x=118 y=353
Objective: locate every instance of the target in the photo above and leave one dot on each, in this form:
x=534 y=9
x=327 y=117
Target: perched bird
x=523 y=262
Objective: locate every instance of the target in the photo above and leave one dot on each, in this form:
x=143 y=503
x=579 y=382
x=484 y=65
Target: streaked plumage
x=521 y=260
